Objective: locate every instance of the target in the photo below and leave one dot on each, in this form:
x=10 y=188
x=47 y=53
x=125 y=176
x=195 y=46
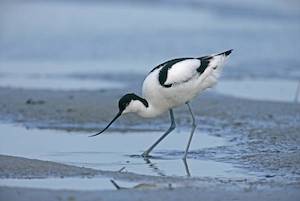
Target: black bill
x=118 y=115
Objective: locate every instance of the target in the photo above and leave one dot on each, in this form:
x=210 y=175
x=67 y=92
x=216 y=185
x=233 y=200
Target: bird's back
x=177 y=81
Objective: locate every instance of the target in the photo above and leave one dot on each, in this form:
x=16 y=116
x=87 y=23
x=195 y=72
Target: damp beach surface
x=237 y=150
x=61 y=78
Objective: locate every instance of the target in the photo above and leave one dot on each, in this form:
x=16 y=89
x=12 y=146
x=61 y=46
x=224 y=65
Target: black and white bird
x=171 y=84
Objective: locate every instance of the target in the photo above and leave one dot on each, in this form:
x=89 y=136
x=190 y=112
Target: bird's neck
x=145 y=109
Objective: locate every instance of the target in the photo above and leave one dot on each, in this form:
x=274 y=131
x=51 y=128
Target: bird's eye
x=124 y=105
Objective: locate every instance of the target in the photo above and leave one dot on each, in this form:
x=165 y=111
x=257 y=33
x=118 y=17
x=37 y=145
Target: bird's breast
x=153 y=91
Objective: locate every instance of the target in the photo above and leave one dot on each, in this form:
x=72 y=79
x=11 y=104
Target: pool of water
x=38 y=81
x=114 y=151
x=261 y=89
x=70 y=36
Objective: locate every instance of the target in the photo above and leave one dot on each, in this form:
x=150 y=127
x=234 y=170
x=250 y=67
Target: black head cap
x=123 y=103
x=127 y=98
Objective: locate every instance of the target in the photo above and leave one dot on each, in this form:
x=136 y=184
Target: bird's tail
x=216 y=61
x=226 y=53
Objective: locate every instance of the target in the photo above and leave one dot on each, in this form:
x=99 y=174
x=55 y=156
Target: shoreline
x=153 y=188
x=250 y=129
x=187 y=193
x=263 y=138
x=87 y=110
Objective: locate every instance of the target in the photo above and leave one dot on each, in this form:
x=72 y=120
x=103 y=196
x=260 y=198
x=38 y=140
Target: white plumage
x=171 y=84
x=186 y=83
x=183 y=71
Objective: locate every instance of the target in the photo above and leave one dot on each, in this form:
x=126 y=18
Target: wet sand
x=18 y=167
x=265 y=132
x=264 y=138
x=186 y=193
x=148 y=188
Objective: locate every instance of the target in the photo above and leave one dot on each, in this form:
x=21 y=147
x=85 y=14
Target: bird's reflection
x=155 y=168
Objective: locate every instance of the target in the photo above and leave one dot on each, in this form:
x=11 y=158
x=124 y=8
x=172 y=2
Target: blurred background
x=73 y=59
x=74 y=44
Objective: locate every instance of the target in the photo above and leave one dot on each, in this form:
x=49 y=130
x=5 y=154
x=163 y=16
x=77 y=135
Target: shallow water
x=70 y=37
x=42 y=43
x=114 y=151
x=57 y=82
x=260 y=89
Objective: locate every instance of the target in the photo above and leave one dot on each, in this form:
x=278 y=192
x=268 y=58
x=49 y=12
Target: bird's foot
x=145 y=154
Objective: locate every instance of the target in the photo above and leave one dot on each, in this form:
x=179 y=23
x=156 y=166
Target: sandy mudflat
x=264 y=138
x=18 y=167
x=265 y=134
x=150 y=188
x=187 y=193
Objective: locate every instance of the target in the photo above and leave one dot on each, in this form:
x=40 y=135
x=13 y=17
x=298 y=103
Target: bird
x=169 y=85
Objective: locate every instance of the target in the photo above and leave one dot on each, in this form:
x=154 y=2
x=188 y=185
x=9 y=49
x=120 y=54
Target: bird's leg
x=192 y=131
x=186 y=166
x=172 y=127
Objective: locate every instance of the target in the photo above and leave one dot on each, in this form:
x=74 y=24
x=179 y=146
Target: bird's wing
x=179 y=72
x=168 y=64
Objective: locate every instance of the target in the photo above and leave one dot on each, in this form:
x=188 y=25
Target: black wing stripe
x=204 y=63
x=162 y=77
x=163 y=73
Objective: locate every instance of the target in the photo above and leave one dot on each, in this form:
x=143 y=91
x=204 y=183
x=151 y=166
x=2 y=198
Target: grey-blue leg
x=192 y=131
x=186 y=166
x=172 y=127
